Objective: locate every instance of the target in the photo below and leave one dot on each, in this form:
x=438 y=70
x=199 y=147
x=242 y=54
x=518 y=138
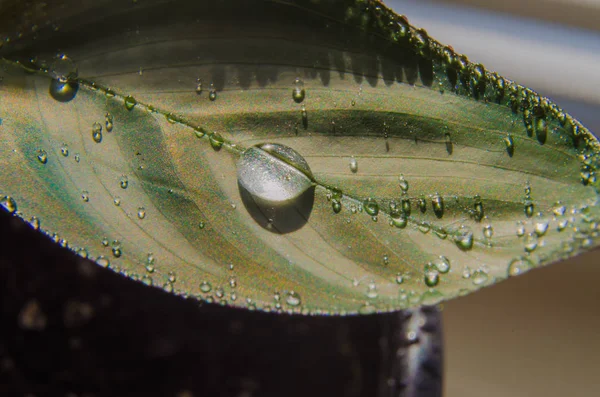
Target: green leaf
x=314 y=157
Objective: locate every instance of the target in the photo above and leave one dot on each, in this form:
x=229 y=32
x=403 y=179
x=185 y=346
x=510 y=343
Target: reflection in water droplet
x=353 y=165
x=205 y=287
x=130 y=102
x=464 y=238
x=479 y=277
x=97 y=132
x=519 y=266
x=371 y=207
x=8 y=204
x=275 y=184
x=42 y=156
x=438 y=205
x=298 y=93
x=293 y=299
x=63 y=91
x=108 y=121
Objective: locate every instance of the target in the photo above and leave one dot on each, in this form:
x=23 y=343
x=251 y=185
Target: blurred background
x=539 y=334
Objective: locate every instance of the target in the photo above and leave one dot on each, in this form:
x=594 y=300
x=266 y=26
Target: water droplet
x=171 y=277
x=293 y=299
x=371 y=207
x=464 y=238
x=212 y=93
x=510 y=145
x=216 y=141
x=130 y=102
x=117 y=201
x=275 y=185
x=304 y=117
x=403 y=184
x=108 y=121
x=147 y=280
x=478 y=208
x=528 y=208
x=386 y=260
x=8 y=204
x=198 y=86
x=559 y=210
x=367 y=309
x=519 y=266
x=42 y=156
x=103 y=261
x=64 y=150
x=399 y=220
x=85 y=196
x=298 y=93
x=406 y=206
x=422 y=205
x=443 y=264
x=141 y=212
x=466 y=272
x=562 y=225
x=449 y=144
x=116 y=249
x=531 y=242
x=205 y=287
x=372 y=291
x=438 y=205
x=540 y=227
x=479 y=277
x=97 y=132
x=124 y=182
x=63 y=91
x=520 y=229
x=105 y=242
x=336 y=205
x=431 y=275
x=168 y=287
x=353 y=165
x=399 y=278
x=77 y=158
x=488 y=231
x=34 y=222
x=424 y=227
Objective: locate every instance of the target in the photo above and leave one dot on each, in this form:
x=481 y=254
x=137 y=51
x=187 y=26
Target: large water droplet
x=275 y=184
x=371 y=207
x=63 y=91
x=431 y=275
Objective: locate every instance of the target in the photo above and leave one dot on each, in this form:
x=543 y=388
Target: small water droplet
x=97 y=132
x=431 y=275
x=443 y=264
x=116 y=249
x=464 y=238
x=478 y=208
x=130 y=102
x=216 y=141
x=559 y=210
x=336 y=205
x=399 y=278
x=117 y=201
x=422 y=205
x=298 y=93
x=510 y=145
x=531 y=242
x=540 y=227
x=520 y=229
x=212 y=93
x=124 y=182
x=108 y=122
x=168 y=287
x=479 y=277
x=141 y=213
x=519 y=266
x=103 y=261
x=403 y=184
x=171 y=277
x=42 y=156
x=449 y=144
x=424 y=227
x=205 y=287
x=77 y=158
x=8 y=204
x=528 y=208
x=147 y=280
x=386 y=260
x=437 y=203
x=372 y=291
x=64 y=150
x=562 y=224
x=399 y=220
x=371 y=207
x=488 y=231
x=304 y=117
x=85 y=196
x=406 y=206
x=353 y=165
x=34 y=222
x=293 y=299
